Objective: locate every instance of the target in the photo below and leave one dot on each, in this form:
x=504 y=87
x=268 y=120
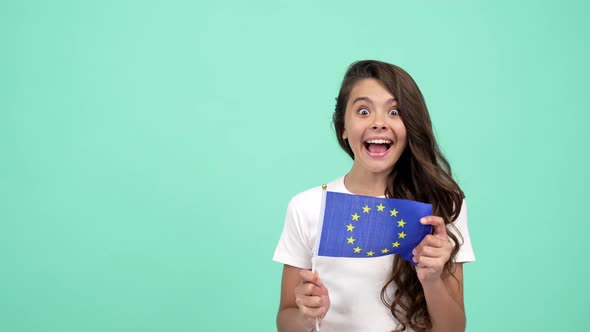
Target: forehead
x=370 y=88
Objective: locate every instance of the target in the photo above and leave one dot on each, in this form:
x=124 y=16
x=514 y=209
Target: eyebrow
x=367 y=99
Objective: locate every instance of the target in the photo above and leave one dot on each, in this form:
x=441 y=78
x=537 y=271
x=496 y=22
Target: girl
x=382 y=122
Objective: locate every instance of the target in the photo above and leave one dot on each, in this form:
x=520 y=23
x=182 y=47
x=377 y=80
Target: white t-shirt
x=354 y=284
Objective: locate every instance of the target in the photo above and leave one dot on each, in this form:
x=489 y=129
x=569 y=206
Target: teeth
x=379 y=141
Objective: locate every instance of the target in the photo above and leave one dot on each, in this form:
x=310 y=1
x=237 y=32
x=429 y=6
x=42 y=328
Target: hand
x=311 y=296
x=433 y=252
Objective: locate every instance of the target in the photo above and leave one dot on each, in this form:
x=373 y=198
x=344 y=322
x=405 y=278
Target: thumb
x=437 y=223
x=321 y=285
x=317 y=279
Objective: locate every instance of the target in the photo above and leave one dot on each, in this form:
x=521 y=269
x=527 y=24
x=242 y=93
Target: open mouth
x=378 y=146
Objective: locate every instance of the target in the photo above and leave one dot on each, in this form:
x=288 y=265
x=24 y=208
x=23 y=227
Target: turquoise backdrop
x=148 y=150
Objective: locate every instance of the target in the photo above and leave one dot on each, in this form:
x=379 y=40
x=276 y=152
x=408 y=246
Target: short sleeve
x=294 y=245
x=461 y=231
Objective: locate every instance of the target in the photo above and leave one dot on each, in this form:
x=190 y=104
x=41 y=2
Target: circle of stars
x=356 y=218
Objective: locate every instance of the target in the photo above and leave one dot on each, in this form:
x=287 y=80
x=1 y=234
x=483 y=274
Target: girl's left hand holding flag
x=443 y=292
x=433 y=252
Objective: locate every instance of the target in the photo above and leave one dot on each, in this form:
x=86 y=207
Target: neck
x=365 y=183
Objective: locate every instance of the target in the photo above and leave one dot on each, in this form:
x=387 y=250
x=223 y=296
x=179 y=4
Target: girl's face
x=373 y=127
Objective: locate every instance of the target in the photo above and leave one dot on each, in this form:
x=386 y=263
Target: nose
x=378 y=122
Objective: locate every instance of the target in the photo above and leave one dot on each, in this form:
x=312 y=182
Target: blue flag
x=364 y=226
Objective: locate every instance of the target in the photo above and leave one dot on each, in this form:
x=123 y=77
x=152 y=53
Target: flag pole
x=317 y=320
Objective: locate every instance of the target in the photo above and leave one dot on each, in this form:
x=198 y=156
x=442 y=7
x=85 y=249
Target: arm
x=444 y=299
x=444 y=295
x=303 y=300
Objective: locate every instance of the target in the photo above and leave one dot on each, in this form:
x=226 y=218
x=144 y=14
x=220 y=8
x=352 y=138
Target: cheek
x=353 y=132
x=346 y=126
x=402 y=133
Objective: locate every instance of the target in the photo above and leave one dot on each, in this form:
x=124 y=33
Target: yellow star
x=355 y=217
x=393 y=212
x=370 y=253
x=384 y=251
x=395 y=244
x=357 y=249
x=401 y=223
x=349 y=228
x=366 y=209
x=350 y=240
x=380 y=207
x=402 y=235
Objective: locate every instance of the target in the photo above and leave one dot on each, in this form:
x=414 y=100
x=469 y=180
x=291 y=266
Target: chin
x=385 y=168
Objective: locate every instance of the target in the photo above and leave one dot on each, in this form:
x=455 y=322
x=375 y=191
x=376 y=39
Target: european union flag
x=364 y=226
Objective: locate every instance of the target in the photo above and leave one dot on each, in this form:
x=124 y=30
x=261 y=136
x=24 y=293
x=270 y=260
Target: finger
x=309 y=276
x=320 y=284
x=428 y=252
x=432 y=263
x=428 y=241
x=437 y=248
x=313 y=313
x=318 y=291
x=434 y=241
x=441 y=255
x=305 y=289
x=438 y=223
x=309 y=289
x=309 y=301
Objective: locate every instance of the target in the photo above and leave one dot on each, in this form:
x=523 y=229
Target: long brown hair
x=422 y=173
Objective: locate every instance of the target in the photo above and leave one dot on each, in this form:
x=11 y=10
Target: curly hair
x=422 y=173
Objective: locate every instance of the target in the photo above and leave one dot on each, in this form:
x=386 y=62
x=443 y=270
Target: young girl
x=382 y=122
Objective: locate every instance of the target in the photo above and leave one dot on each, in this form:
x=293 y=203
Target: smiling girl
x=382 y=122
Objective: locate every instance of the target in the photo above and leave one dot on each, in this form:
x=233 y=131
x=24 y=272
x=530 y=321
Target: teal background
x=149 y=150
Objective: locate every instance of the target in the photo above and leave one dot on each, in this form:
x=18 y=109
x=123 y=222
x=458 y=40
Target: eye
x=363 y=111
x=393 y=112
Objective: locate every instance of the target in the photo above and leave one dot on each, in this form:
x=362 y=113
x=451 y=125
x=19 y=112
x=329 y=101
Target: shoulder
x=300 y=228
x=306 y=205
x=460 y=229
x=306 y=198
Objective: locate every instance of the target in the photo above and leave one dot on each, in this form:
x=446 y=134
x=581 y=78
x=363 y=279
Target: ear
x=344 y=134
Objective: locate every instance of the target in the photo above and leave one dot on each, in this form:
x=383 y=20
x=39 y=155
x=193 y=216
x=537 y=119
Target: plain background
x=149 y=150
